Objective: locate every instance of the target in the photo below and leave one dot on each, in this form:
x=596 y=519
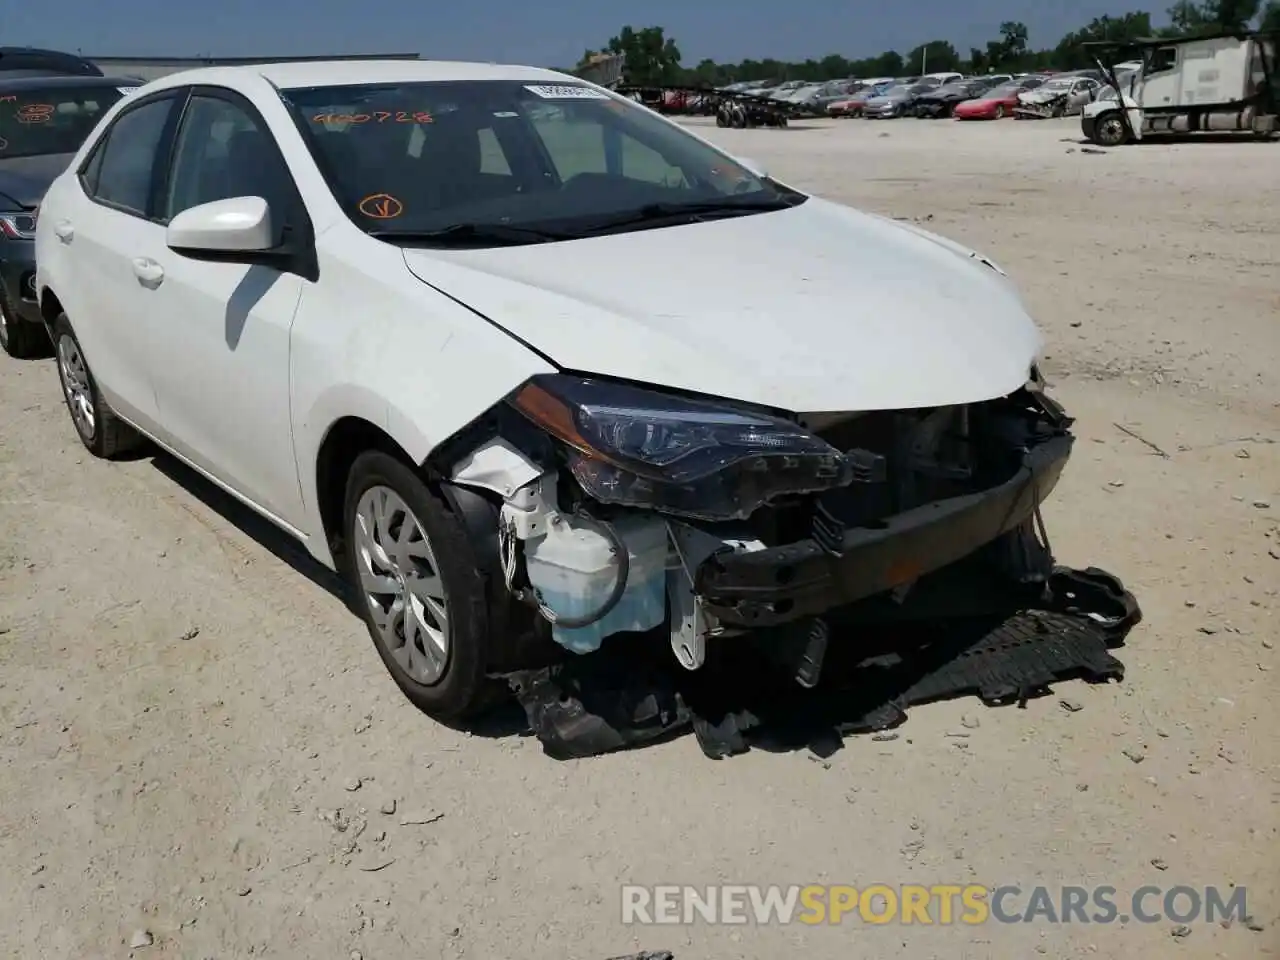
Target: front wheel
x=999 y=114
x=414 y=579
x=1109 y=130
x=103 y=433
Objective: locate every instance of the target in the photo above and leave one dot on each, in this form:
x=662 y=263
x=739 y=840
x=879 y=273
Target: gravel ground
x=182 y=712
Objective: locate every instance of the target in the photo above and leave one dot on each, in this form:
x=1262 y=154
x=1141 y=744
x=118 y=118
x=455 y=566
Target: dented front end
x=625 y=509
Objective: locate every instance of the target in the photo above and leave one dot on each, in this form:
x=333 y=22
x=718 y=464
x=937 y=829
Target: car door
x=221 y=328
x=1082 y=92
x=97 y=234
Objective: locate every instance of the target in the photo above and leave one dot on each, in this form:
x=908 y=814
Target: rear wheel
x=413 y=578
x=103 y=433
x=20 y=339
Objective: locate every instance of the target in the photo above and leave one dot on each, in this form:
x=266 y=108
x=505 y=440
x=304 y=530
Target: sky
x=515 y=31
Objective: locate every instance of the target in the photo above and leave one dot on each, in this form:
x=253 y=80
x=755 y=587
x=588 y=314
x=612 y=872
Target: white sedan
x=525 y=361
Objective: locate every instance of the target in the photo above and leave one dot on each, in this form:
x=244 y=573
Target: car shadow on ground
x=262 y=531
x=503 y=719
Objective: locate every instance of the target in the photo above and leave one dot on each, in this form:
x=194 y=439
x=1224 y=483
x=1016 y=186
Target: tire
x=999 y=111
x=103 y=433
x=444 y=676
x=20 y=339
x=721 y=120
x=1109 y=129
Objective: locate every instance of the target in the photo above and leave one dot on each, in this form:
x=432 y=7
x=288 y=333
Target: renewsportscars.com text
x=940 y=904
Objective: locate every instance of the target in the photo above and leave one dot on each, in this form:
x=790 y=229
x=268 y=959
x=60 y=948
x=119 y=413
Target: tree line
x=652 y=57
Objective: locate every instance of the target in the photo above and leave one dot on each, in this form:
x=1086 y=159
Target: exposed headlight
x=18 y=226
x=692 y=458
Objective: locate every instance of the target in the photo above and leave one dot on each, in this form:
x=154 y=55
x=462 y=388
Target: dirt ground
x=181 y=711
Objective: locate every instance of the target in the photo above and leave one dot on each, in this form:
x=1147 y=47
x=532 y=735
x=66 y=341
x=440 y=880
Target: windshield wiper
x=467 y=233
x=655 y=213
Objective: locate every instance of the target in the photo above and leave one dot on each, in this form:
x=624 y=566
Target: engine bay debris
x=1004 y=649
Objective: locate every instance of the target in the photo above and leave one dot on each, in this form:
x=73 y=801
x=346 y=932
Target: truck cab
x=1220 y=84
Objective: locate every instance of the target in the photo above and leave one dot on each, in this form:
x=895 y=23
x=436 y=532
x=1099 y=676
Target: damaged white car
x=525 y=361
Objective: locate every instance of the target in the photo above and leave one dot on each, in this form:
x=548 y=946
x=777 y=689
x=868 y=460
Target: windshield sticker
x=564 y=91
x=35 y=112
x=381 y=206
x=375 y=116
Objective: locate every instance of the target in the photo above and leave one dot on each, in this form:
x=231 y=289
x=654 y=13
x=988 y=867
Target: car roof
x=55 y=80
x=323 y=73
x=52 y=61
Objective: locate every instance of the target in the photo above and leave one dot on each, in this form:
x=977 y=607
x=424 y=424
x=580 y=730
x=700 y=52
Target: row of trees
x=654 y=58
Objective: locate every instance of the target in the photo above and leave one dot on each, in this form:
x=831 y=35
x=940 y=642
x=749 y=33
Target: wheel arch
x=50 y=306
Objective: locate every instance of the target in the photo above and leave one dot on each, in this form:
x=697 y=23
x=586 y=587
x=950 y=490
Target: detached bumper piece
x=627 y=695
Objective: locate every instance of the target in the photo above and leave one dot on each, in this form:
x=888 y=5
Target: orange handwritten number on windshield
x=379 y=116
x=35 y=112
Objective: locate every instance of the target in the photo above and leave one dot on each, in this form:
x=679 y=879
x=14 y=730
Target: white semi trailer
x=1221 y=84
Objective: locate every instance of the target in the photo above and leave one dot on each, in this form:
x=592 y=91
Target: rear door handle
x=64 y=231
x=149 y=273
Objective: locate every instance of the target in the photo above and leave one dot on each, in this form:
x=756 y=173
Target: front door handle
x=149 y=273
x=64 y=231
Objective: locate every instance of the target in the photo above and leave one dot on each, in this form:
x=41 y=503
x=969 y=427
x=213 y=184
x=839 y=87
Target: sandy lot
x=181 y=711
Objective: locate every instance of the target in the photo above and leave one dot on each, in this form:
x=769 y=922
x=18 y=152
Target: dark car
x=34 y=62
x=43 y=122
x=941 y=101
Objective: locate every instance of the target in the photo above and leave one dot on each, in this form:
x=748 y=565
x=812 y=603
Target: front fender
x=381 y=345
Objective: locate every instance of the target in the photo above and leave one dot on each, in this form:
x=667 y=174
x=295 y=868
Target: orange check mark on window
x=381 y=206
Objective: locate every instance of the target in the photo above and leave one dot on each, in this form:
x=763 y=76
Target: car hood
x=1041 y=95
x=24 y=180
x=817 y=308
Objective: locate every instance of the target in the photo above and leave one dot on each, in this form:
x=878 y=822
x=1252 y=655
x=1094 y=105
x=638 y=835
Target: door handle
x=64 y=231
x=149 y=273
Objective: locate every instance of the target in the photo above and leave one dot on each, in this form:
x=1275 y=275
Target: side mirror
x=754 y=166
x=234 y=225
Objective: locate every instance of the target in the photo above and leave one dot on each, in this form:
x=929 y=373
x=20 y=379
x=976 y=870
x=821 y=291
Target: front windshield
x=42 y=121
x=413 y=158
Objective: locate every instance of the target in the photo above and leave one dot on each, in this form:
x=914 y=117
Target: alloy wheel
x=4 y=325
x=401 y=583
x=75 y=384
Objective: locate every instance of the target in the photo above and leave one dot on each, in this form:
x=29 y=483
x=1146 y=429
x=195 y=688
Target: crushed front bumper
x=765 y=588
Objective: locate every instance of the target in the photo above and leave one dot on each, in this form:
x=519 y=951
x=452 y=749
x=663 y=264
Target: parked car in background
x=947 y=77
x=942 y=100
x=478 y=470
x=997 y=102
x=832 y=92
x=43 y=121
x=899 y=101
x=1060 y=96
x=853 y=106
x=18 y=62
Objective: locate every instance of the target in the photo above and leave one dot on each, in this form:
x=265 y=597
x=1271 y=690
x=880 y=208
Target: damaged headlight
x=692 y=458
